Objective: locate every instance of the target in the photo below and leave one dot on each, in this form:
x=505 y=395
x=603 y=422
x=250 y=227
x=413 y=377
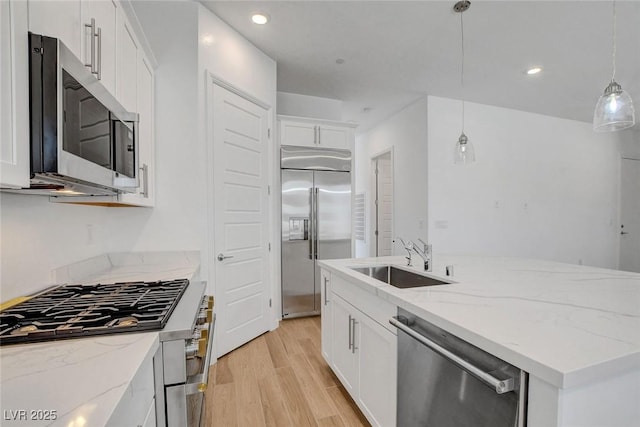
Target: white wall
x=541 y=187
x=293 y=104
x=406 y=133
x=230 y=58
x=38 y=236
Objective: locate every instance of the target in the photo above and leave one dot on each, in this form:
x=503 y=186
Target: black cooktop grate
x=74 y=311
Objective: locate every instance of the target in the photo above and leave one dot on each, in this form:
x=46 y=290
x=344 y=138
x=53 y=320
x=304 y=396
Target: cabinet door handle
x=350 y=344
x=325 y=291
x=316 y=138
x=145 y=181
x=319 y=135
x=353 y=336
x=99 y=55
x=92 y=55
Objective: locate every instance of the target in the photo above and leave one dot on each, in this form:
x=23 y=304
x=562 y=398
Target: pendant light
x=614 y=110
x=464 y=149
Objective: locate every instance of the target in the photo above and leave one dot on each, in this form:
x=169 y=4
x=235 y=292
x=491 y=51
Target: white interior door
x=382 y=205
x=630 y=216
x=241 y=232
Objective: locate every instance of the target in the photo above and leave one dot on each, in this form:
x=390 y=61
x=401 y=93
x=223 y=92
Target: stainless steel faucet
x=408 y=246
x=425 y=253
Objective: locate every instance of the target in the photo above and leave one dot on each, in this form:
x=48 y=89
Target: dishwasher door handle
x=500 y=386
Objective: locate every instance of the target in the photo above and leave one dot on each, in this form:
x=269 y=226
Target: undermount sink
x=398 y=277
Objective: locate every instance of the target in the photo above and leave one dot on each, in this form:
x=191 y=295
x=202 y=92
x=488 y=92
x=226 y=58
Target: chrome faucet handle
x=425 y=246
x=408 y=246
x=425 y=253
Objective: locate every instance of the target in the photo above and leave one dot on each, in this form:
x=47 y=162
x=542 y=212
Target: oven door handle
x=500 y=386
x=198 y=383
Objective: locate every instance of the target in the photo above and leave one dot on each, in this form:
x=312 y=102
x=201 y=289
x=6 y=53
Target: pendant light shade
x=614 y=110
x=464 y=151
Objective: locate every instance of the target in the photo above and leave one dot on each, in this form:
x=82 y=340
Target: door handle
x=92 y=55
x=222 y=257
x=499 y=385
x=325 y=291
x=353 y=336
x=99 y=55
x=315 y=224
x=313 y=229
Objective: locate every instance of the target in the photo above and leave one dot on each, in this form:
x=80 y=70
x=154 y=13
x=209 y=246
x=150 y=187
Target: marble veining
x=568 y=325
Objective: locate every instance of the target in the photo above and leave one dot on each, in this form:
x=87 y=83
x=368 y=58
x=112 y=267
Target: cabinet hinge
x=269 y=133
x=268 y=190
x=269 y=302
x=269 y=246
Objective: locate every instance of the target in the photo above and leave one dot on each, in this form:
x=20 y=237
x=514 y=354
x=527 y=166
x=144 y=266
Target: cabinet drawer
x=375 y=307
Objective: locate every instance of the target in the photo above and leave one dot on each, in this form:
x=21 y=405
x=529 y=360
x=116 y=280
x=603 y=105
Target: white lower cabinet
x=326 y=314
x=363 y=352
x=377 y=358
x=345 y=360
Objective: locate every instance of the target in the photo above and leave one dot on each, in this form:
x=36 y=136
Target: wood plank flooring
x=279 y=379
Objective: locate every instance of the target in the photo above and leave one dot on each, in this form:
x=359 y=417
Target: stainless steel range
x=178 y=309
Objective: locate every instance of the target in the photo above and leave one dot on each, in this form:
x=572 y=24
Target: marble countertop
x=84 y=379
x=568 y=325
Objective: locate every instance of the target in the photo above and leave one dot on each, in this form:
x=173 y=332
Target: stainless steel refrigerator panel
x=332 y=218
x=298 y=258
x=306 y=158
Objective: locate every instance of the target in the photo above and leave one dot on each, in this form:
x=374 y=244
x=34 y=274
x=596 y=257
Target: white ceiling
x=398 y=51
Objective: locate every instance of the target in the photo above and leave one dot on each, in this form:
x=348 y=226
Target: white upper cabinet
x=127 y=64
x=99 y=39
x=145 y=194
x=14 y=95
x=315 y=133
x=297 y=133
x=334 y=136
x=60 y=19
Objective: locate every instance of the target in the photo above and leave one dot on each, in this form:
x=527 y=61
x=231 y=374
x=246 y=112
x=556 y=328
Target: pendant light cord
x=462 y=66
x=614 y=41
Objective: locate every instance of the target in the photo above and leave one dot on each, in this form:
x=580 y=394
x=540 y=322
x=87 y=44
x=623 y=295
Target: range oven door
x=185 y=402
x=445 y=381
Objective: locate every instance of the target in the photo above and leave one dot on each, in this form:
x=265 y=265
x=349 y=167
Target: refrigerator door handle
x=315 y=224
x=313 y=231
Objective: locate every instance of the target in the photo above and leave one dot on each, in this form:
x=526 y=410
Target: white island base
x=575 y=330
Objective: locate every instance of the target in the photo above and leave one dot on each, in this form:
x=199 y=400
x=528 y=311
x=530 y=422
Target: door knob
x=222 y=257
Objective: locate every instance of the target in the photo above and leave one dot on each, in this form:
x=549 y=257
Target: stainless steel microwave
x=83 y=141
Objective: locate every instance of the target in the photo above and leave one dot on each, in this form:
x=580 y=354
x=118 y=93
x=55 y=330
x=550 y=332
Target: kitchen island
x=574 y=329
x=93 y=381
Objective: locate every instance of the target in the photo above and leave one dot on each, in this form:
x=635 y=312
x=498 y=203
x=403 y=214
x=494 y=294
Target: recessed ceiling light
x=534 y=70
x=260 y=18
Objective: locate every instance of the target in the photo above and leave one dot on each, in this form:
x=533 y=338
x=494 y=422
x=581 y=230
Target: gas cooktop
x=74 y=311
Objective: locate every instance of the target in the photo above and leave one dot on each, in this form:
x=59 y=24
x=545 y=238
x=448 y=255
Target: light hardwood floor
x=279 y=379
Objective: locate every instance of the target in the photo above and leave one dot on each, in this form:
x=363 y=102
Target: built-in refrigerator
x=316 y=221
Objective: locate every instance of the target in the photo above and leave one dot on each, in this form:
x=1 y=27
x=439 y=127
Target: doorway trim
x=209 y=247
x=372 y=200
x=623 y=157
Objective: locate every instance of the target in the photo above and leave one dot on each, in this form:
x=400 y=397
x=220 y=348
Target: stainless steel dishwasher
x=444 y=381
